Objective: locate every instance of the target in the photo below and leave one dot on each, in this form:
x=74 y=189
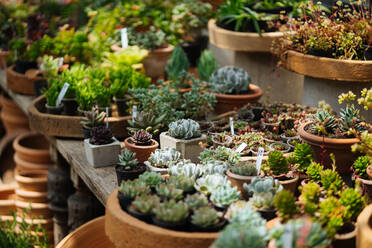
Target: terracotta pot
x=345 y=240
x=47 y=224
x=21 y=83
x=156 y=61
x=341 y=148
x=91 y=234
x=3 y=58
x=366 y=187
x=7 y=202
x=32 y=180
x=227 y=103
x=127 y=231
x=142 y=152
x=238 y=181
x=31 y=196
x=33 y=148
x=33 y=210
x=12 y=116
x=290 y=184
x=364 y=228
x=328 y=68
x=28 y=166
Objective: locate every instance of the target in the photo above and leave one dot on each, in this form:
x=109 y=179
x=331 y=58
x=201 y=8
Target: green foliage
x=184 y=129
x=224 y=195
x=183 y=182
x=207 y=64
x=302 y=156
x=145 y=204
x=196 y=201
x=221 y=153
x=309 y=197
x=147 y=121
x=127 y=159
x=331 y=213
x=360 y=166
x=205 y=217
x=151 y=179
x=313 y=172
x=51 y=94
x=229 y=80
x=167 y=192
x=127 y=57
x=285 y=204
x=324 y=123
x=131 y=189
x=85 y=97
x=331 y=181
x=171 y=212
x=353 y=202
x=150 y=40
x=278 y=163
x=162 y=158
x=246 y=169
x=178 y=64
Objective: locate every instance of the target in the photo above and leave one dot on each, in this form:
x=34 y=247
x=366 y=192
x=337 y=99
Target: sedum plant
x=184 y=129
x=224 y=195
x=127 y=160
x=229 y=80
x=196 y=201
x=331 y=181
x=205 y=217
x=185 y=167
x=209 y=183
x=285 y=204
x=100 y=135
x=151 y=179
x=353 y=202
x=142 y=138
x=360 y=166
x=131 y=189
x=162 y=158
x=331 y=213
x=207 y=64
x=182 y=182
x=144 y=204
x=171 y=212
x=277 y=163
x=313 y=172
x=167 y=191
x=302 y=156
x=310 y=196
x=247 y=169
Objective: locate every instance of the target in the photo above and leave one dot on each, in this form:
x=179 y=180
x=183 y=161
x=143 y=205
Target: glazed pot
x=22 y=165
x=290 y=184
x=69 y=106
x=32 y=147
x=54 y=110
x=347 y=238
x=21 y=83
x=131 y=174
x=142 y=152
x=32 y=180
x=238 y=181
x=364 y=228
x=156 y=61
x=12 y=116
x=341 y=148
x=227 y=102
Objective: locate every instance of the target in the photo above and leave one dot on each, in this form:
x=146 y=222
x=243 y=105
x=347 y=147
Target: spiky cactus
x=229 y=80
x=171 y=212
x=101 y=135
x=162 y=158
x=127 y=159
x=224 y=195
x=184 y=129
x=205 y=217
x=142 y=138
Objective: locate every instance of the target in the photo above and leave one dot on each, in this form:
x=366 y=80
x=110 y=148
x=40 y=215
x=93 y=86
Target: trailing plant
x=100 y=135
x=145 y=204
x=229 y=80
x=285 y=204
x=131 y=189
x=360 y=166
x=247 y=169
x=205 y=217
x=207 y=64
x=171 y=212
x=196 y=201
x=166 y=191
x=224 y=195
x=183 y=182
x=142 y=138
x=184 y=129
x=151 y=179
x=313 y=172
x=127 y=160
x=162 y=158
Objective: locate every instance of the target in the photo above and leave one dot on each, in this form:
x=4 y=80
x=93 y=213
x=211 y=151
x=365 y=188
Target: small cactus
x=205 y=217
x=101 y=135
x=127 y=159
x=171 y=212
x=184 y=129
x=229 y=80
x=142 y=138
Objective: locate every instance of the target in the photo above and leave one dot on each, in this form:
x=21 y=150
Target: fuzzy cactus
x=224 y=195
x=171 y=212
x=184 y=129
x=229 y=80
x=205 y=217
x=101 y=135
x=127 y=159
x=142 y=138
x=196 y=201
x=162 y=158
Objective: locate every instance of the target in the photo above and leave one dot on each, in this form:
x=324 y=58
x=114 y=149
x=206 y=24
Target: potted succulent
x=102 y=148
x=360 y=167
x=221 y=139
x=186 y=167
x=222 y=154
x=240 y=174
x=171 y=214
x=51 y=95
x=177 y=68
x=142 y=206
x=289 y=134
x=128 y=191
x=281 y=147
x=223 y=196
x=196 y=201
x=160 y=160
x=91 y=120
x=142 y=144
x=167 y=192
x=233 y=89
x=271 y=121
x=209 y=183
x=184 y=135
x=207 y=219
x=128 y=167
x=285 y=205
x=254 y=146
x=183 y=182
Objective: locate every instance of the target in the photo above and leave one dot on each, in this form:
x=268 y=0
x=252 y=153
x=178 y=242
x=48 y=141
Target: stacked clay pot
x=7 y=201
x=32 y=161
x=12 y=116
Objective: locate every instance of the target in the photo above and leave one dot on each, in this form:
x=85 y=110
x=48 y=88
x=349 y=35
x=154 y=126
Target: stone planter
x=162 y=171
x=238 y=181
x=364 y=228
x=227 y=103
x=21 y=83
x=341 y=148
x=32 y=147
x=156 y=61
x=290 y=184
x=142 y=152
x=189 y=149
x=102 y=155
x=126 y=231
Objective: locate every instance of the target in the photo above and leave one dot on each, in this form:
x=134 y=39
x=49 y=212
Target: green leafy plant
x=127 y=160
x=247 y=169
x=196 y=201
x=229 y=80
x=205 y=217
x=127 y=57
x=51 y=94
x=278 y=163
x=353 y=202
x=285 y=204
x=151 y=179
x=360 y=166
x=167 y=191
x=85 y=97
x=145 y=204
x=313 y=172
x=183 y=182
x=224 y=195
x=171 y=212
x=178 y=65
x=331 y=213
x=207 y=64
x=184 y=129
x=162 y=158
x=331 y=181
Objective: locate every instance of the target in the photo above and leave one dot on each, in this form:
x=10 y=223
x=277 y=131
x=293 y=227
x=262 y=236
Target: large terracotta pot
x=32 y=180
x=241 y=41
x=91 y=234
x=28 y=166
x=364 y=228
x=341 y=148
x=227 y=103
x=12 y=116
x=126 y=231
x=328 y=68
x=238 y=181
x=142 y=152
x=21 y=83
x=156 y=61
x=32 y=147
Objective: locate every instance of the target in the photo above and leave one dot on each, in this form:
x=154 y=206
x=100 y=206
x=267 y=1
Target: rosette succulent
x=205 y=217
x=196 y=201
x=167 y=191
x=142 y=138
x=184 y=129
x=229 y=80
x=171 y=212
x=101 y=135
x=209 y=183
x=127 y=159
x=224 y=195
x=187 y=168
x=150 y=178
x=162 y=158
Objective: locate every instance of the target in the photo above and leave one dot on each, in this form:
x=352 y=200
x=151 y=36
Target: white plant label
x=134 y=114
x=259 y=159
x=232 y=125
x=241 y=147
x=107 y=117
x=62 y=94
x=124 y=38
x=60 y=62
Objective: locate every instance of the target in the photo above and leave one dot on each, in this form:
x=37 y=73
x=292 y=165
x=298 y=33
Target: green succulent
x=162 y=158
x=360 y=166
x=224 y=195
x=127 y=159
x=147 y=121
x=331 y=213
x=209 y=183
x=263 y=191
x=207 y=64
x=178 y=64
x=350 y=119
x=285 y=204
x=171 y=211
x=151 y=179
x=93 y=119
x=131 y=189
x=150 y=40
x=214 y=167
x=205 y=217
x=221 y=153
x=184 y=129
x=310 y=195
x=324 y=123
x=313 y=172
x=353 y=202
x=196 y=201
x=144 y=203
x=182 y=182
x=229 y=80
x=331 y=181
x=187 y=168
x=243 y=212
x=302 y=156
x=167 y=191
x=278 y=163
x=247 y=169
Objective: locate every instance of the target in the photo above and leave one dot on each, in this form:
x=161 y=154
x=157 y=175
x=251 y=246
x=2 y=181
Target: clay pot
x=22 y=165
x=369 y=171
x=21 y=83
x=341 y=148
x=347 y=239
x=366 y=187
x=142 y=152
x=32 y=147
x=7 y=196
x=227 y=103
x=91 y=234
x=156 y=61
x=33 y=210
x=238 y=181
x=290 y=184
x=3 y=58
x=364 y=228
x=126 y=231
x=31 y=196
x=32 y=180
x=12 y=116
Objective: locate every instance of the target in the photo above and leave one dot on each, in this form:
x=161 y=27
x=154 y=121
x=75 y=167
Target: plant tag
x=241 y=147
x=107 y=116
x=259 y=159
x=60 y=62
x=62 y=94
x=134 y=114
x=124 y=38
x=232 y=125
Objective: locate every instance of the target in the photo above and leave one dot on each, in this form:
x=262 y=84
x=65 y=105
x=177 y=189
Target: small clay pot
x=173 y=226
x=33 y=210
x=345 y=237
x=287 y=147
x=7 y=200
x=290 y=184
x=69 y=106
x=142 y=152
x=267 y=214
x=238 y=181
x=131 y=174
x=216 y=143
x=54 y=110
x=32 y=147
x=366 y=187
x=31 y=196
x=22 y=165
x=32 y=180
x=122 y=106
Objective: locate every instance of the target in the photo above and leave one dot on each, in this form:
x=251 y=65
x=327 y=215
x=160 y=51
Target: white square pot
x=189 y=149
x=102 y=155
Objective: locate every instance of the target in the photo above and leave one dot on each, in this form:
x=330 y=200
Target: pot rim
x=364 y=181
x=238 y=177
x=288 y=181
x=29 y=151
x=39 y=166
x=24 y=179
x=348 y=235
x=16 y=74
x=167 y=49
x=257 y=92
x=154 y=146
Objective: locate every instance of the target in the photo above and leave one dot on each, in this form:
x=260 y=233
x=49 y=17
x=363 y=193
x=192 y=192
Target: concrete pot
x=126 y=231
x=238 y=181
x=35 y=181
x=341 y=148
x=290 y=184
x=32 y=147
x=21 y=83
x=241 y=41
x=189 y=149
x=102 y=155
x=162 y=171
x=156 y=61
x=227 y=103
x=142 y=152
x=364 y=228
